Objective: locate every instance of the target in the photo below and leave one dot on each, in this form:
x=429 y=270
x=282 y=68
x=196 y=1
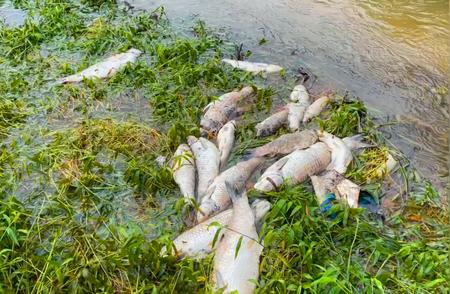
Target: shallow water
x=394 y=56
x=9 y=15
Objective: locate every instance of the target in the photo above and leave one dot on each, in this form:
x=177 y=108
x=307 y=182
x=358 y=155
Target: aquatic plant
x=346 y=117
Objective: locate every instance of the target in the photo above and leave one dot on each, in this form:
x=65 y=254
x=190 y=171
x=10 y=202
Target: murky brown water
x=391 y=54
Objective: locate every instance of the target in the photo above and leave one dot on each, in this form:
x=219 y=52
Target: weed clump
x=345 y=118
x=11 y=113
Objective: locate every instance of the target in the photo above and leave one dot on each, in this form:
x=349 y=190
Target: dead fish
x=296 y=111
x=315 y=108
x=355 y=142
x=334 y=182
x=304 y=163
x=235 y=267
x=198 y=241
x=104 y=69
x=225 y=142
x=348 y=191
x=389 y=166
x=286 y=144
x=219 y=112
x=217 y=198
x=341 y=155
x=271 y=124
x=300 y=94
x=253 y=67
x=272 y=177
x=183 y=169
x=207 y=161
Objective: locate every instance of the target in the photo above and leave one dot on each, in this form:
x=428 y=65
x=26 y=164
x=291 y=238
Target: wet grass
x=85 y=207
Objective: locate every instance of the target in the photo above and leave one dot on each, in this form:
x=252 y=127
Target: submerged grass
x=84 y=207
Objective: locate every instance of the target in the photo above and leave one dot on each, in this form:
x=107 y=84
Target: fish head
x=135 y=52
x=331 y=140
x=207 y=208
x=246 y=91
x=260 y=208
x=191 y=140
x=209 y=125
x=323 y=135
x=270 y=182
x=262 y=132
x=349 y=191
x=182 y=149
x=271 y=68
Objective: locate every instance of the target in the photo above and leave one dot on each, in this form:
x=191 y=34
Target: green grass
x=85 y=208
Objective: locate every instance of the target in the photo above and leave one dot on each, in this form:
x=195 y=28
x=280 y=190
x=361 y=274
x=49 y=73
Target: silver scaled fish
x=217 y=198
x=271 y=124
x=236 y=262
x=227 y=107
x=183 y=169
x=225 y=142
x=341 y=154
x=207 y=161
x=198 y=241
x=286 y=144
x=253 y=67
x=105 y=68
x=315 y=108
x=334 y=182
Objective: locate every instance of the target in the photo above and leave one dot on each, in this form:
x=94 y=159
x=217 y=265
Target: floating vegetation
x=346 y=118
x=84 y=207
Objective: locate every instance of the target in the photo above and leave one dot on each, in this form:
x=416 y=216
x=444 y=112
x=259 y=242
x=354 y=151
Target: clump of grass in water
x=345 y=118
x=366 y=167
x=11 y=113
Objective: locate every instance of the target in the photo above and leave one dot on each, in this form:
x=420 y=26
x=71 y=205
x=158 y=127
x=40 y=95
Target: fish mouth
x=272 y=182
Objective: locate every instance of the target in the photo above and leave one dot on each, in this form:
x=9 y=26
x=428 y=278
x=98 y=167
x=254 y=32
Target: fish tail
x=356 y=142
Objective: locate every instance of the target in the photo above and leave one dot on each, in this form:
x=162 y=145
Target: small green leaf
x=238 y=246
x=268 y=238
x=434 y=283
x=216 y=237
x=379 y=284
x=12 y=235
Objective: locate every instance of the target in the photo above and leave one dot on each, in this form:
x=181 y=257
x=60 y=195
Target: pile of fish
x=226 y=222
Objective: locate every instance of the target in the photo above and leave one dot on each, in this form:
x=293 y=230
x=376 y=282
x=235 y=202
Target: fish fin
x=356 y=142
x=232 y=192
